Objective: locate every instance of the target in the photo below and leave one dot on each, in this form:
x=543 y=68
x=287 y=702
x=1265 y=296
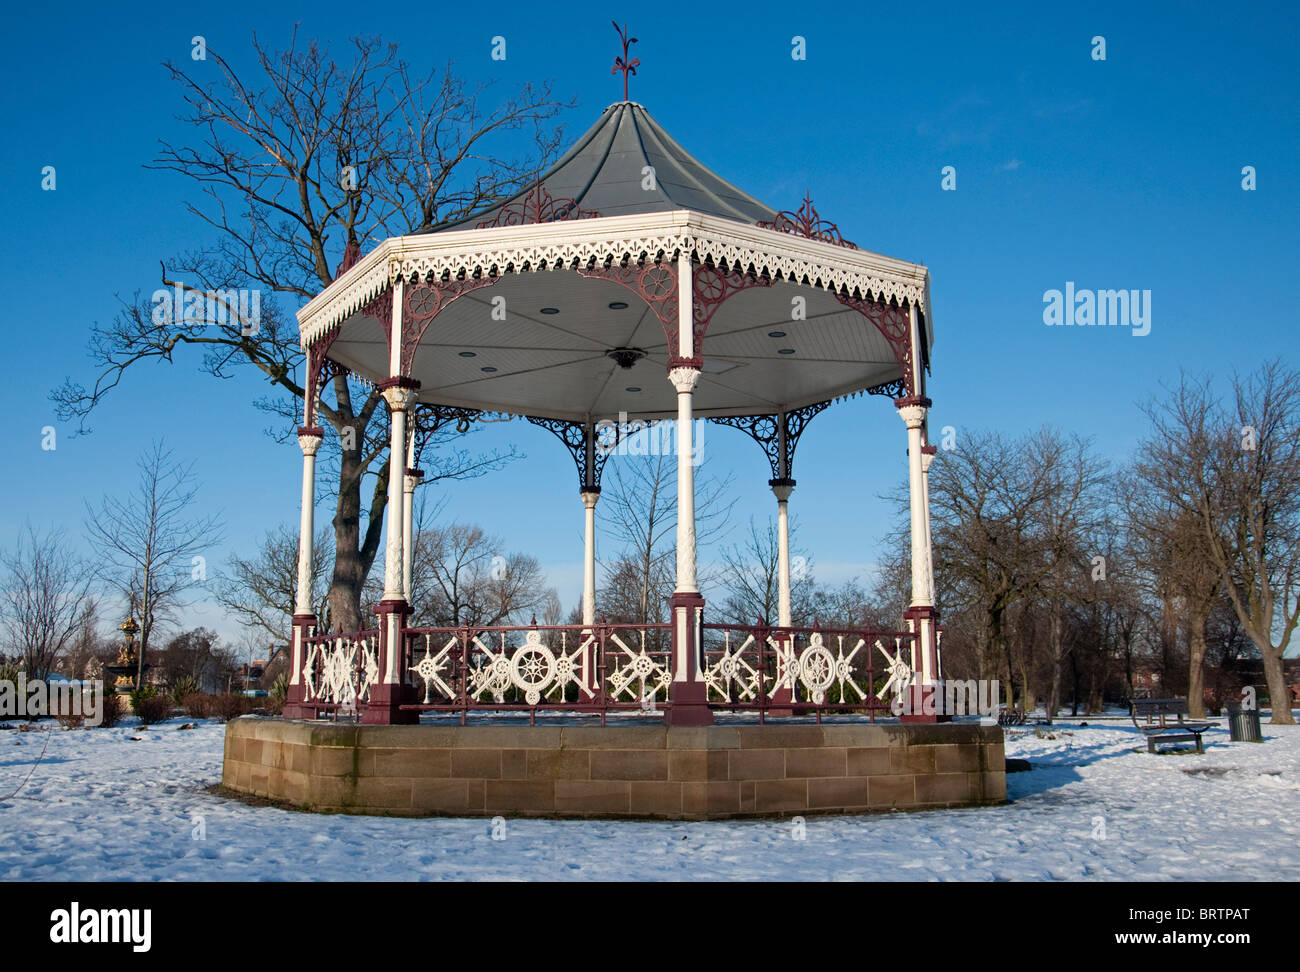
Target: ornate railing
x=805 y=670
x=606 y=668
x=339 y=669
x=575 y=668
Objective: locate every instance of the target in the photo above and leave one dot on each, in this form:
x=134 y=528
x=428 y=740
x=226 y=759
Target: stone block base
x=641 y=771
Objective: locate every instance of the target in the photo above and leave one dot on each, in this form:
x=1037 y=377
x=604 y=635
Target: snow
x=128 y=803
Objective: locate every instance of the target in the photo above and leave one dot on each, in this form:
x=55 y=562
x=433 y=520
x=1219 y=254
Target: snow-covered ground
x=102 y=805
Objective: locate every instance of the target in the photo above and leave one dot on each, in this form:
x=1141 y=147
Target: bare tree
x=752 y=579
x=1178 y=566
x=1001 y=512
x=639 y=504
x=305 y=157
x=1236 y=469
x=150 y=541
x=44 y=599
x=261 y=590
x=461 y=575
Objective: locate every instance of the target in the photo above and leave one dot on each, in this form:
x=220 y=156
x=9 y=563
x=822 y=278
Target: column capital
x=309 y=439
x=781 y=489
x=399 y=392
x=913 y=412
x=684 y=378
x=589 y=497
x=411 y=479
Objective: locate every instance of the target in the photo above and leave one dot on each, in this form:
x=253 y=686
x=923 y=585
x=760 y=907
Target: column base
x=688 y=692
x=924 y=703
x=383 y=706
x=293 y=700
x=690 y=705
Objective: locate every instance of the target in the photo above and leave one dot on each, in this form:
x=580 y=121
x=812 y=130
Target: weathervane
x=622 y=63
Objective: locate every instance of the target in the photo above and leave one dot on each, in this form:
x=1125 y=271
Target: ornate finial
x=807 y=222
x=623 y=63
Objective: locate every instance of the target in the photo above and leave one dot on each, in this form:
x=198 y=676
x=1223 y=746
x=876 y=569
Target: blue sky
x=1123 y=173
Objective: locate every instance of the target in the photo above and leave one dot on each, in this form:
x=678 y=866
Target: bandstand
x=630 y=282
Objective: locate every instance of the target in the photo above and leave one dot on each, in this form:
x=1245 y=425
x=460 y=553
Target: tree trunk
x=1054 y=645
x=1196 y=666
x=1279 y=694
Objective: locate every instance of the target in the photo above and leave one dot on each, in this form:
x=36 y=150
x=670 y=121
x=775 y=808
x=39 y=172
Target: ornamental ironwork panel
x=760 y=667
x=574 y=437
x=654 y=282
x=603 y=666
x=894 y=322
x=766 y=431
x=339 y=670
x=422 y=302
x=807 y=222
x=711 y=288
x=537 y=205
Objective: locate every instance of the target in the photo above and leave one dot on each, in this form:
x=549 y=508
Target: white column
x=589 y=498
x=782 y=492
x=310 y=444
x=684 y=380
x=399 y=400
x=914 y=416
x=410 y=479
x=408 y=532
x=926 y=459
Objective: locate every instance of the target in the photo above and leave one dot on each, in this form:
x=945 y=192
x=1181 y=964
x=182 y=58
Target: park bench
x=1155 y=724
x=1009 y=716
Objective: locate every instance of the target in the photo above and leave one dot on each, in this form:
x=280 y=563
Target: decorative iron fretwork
x=605 y=437
x=317 y=364
x=380 y=310
x=757 y=667
x=340 y=669
x=766 y=431
x=807 y=223
x=712 y=287
x=429 y=419
x=896 y=388
x=653 y=282
x=574 y=437
x=537 y=205
x=624 y=64
x=894 y=322
x=763 y=429
x=351 y=254
x=422 y=302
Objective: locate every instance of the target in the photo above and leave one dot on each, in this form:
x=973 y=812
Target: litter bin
x=1243 y=724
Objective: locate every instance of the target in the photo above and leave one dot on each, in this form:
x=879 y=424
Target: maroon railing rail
x=607 y=668
x=574 y=668
x=815 y=670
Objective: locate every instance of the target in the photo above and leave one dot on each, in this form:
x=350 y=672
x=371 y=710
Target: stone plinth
x=634 y=771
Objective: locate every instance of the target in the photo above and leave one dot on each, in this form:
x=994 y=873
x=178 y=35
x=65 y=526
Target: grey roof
x=603 y=173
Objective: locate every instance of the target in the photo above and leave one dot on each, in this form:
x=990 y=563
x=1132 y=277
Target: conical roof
x=605 y=174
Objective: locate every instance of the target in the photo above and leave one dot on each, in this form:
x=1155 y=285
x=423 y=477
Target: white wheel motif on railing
x=432 y=668
x=817 y=669
x=532 y=667
x=732 y=668
x=641 y=668
x=900 y=672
